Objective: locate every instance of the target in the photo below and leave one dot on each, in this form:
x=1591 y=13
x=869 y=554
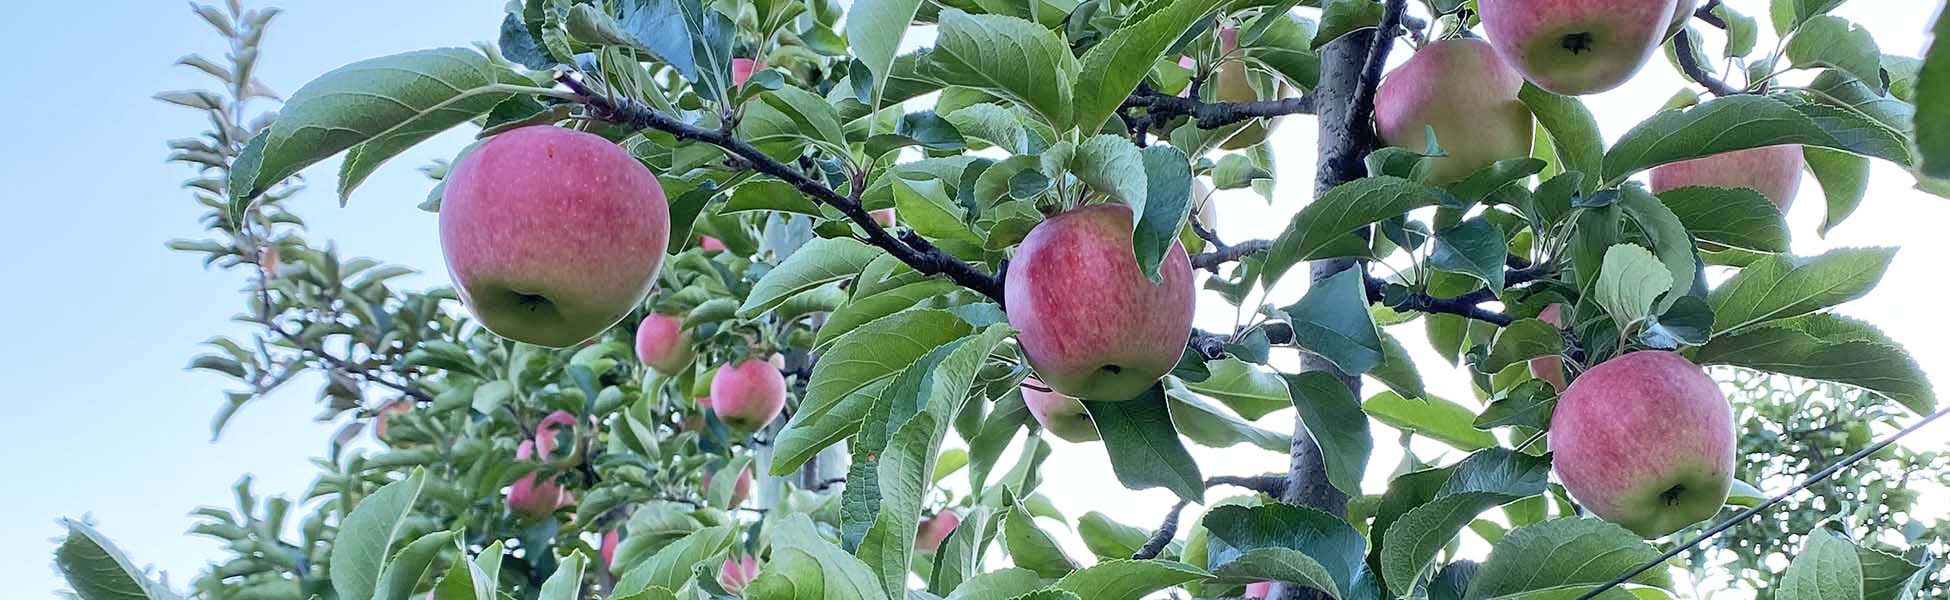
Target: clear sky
x=100 y=318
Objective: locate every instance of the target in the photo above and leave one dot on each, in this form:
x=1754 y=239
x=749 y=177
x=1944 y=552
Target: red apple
x=1061 y=415
x=556 y=429
x=709 y=244
x=738 y=572
x=396 y=407
x=1259 y=591
x=1550 y=368
x=885 y=217
x=740 y=489
x=1774 y=171
x=533 y=497
x=611 y=539
x=742 y=70
x=663 y=344
x=552 y=235
x=1645 y=440
x=936 y=529
x=748 y=394
x=1089 y=321
x=1462 y=90
x=1576 y=47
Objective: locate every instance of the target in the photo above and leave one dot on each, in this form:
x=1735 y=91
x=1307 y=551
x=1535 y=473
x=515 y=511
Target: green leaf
x=1474 y=247
x=1109 y=539
x=566 y=582
x=1235 y=531
x=670 y=566
x=1001 y=584
x=863 y=310
x=1032 y=548
x=1828 y=348
x=1630 y=282
x=97 y=570
x=768 y=194
x=1126 y=579
x=811 y=115
x=1748 y=121
x=959 y=558
x=874 y=29
x=1790 y=14
x=1008 y=57
x=1574 y=135
x=1885 y=576
x=1145 y=450
x=376 y=107
x=819 y=262
x=1732 y=217
x=1279 y=564
x=1244 y=387
x=840 y=576
x=1742 y=31
x=1109 y=164
x=1933 y=103
x=1430 y=417
x=404 y=571
x=1779 y=287
x=1332 y=320
x=842 y=385
x=1236 y=171
x=1671 y=243
x=1529 y=404
x=1114 y=66
x=365 y=538
x=1213 y=427
x=1830 y=41
x=1341 y=17
x=1337 y=425
x=1844 y=181
x=925 y=207
x=1397 y=369
x=994 y=124
x=1325 y=227
x=1489 y=478
x=1827 y=569
x=1168 y=202
x=1562 y=552
x=1521 y=341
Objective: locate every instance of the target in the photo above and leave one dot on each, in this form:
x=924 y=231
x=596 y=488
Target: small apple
x=740 y=489
x=1774 y=171
x=552 y=235
x=885 y=217
x=936 y=529
x=738 y=572
x=396 y=407
x=1462 y=90
x=1645 y=440
x=1550 y=368
x=663 y=344
x=1061 y=415
x=709 y=244
x=1089 y=321
x=532 y=497
x=1234 y=84
x=611 y=539
x=742 y=70
x=748 y=394
x=1259 y=591
x=555 y=439
x=1576 y=47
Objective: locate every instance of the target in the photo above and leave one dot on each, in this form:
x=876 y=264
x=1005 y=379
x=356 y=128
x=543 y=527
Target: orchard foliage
x=778 y=128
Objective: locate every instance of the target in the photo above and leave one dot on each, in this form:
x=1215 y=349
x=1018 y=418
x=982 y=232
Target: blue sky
x=102 y=419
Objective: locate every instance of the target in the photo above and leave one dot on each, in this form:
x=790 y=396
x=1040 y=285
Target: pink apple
x=1061 y=415
x=709 y=244
x=1259 y=591
x=663 y=344
x=555 y=429
x=742 y=70
x=747 y=394
x=740 y=489
x=1645 y=440
x=1462 y=90
x=738 y=572
x=1089 y=321
x=1576 y=47
x=533 y=497
x=1774 y=171
x=611 y=539
x=885 y=217
x=552 y=235
x=396 y=407
x=1550 y=368
x=936 y=529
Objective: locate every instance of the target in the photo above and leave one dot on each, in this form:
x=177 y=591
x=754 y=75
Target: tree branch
x=1160 y=106
x=1682 y=46
x=1223 y=254
x=912 y=250
x=1270 y=485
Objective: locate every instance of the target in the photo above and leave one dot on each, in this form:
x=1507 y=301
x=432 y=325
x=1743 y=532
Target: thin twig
x=1160 y=106
x=1736 y=519
x=1211 y=261
x=1682 y=46
x=1160 y=539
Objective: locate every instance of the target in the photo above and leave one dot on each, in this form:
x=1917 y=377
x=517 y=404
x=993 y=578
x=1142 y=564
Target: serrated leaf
x=1748 y=121
x=97 y=570
x=1333 y=417
x=841 y=388
x=1434 y=418
x=1032 y=548
x=1114 y=66
x=1630 y=282
x=1332 y=321
x=1779 y=287
x=874 y=29
x=365 y=538
x=1827 y=569
x=1732 y=217
x=1474 y=247
x=1828 y=348
x=1145 y=450
x=1523 y=340
x=1008 y=57
x=1325 y=227
x=1247 y=389
x=1563 y=552
x=1488 y=479
x=1832 y=41
x=819 y=262
x=1575 y=140
x=1933 y=103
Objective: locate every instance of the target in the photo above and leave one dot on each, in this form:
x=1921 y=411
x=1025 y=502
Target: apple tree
x=694 y=238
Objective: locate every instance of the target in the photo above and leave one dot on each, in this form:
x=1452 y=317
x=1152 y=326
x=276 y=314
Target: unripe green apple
x=1468 y=95
x=663 y=344
x=533 y=497
x=1550 y=368
x=552 y=235
x=747 y=394
x=1061 y=415
x=1645 y=440
x=740 y=489
x=1774 y=171
x=1090 y=322
x=1576 y=47
x=935 y=529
